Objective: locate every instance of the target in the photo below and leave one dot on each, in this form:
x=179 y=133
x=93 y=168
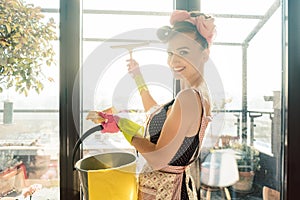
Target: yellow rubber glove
x=130 y=128
x=139 y=80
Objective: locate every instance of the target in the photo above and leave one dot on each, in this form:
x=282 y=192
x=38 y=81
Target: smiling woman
x=173 y=136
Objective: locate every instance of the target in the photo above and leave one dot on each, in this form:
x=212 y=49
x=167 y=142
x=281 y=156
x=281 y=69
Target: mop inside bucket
x=108 y=176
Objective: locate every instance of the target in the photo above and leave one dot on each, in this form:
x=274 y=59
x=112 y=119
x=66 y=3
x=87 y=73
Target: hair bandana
x=204 y=23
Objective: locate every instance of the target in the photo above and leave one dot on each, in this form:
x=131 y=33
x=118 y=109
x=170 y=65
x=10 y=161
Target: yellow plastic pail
x=108 y=176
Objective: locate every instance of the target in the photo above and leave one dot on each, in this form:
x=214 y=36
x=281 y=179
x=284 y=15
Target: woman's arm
x=183 y=120
x=147 y=99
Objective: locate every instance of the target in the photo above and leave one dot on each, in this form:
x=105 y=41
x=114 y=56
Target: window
x=30 y=141
x=105 y=81
x=248 y=53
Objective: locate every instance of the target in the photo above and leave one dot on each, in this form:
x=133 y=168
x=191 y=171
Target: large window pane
x=29 y=144
x=110 y=25
x=115 y=25
x=248 y=54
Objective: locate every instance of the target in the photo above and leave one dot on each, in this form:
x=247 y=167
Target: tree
x=25 y=46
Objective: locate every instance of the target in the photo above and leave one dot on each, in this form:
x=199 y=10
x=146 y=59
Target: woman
x=176 y=129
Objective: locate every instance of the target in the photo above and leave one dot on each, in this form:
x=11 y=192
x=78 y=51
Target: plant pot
x=7 y=181
x=244 y=184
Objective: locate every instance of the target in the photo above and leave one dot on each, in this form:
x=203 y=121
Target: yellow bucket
x=108 y=176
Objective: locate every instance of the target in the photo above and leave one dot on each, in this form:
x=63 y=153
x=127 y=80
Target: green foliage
x=7 y=160
x=25 y=46
x=247 y=156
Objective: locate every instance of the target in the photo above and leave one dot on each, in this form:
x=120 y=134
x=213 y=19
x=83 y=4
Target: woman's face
x=186 y=57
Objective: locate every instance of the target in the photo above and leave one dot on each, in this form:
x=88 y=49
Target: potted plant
x=8 y=171
x=247 y=158
x=25 y=47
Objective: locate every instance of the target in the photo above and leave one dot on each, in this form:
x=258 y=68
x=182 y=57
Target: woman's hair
x=165 y=33
x=189 y=22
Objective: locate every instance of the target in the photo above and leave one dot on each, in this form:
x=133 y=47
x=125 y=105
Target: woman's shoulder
x=189 y=93
x=188 y=98
x=194 y=98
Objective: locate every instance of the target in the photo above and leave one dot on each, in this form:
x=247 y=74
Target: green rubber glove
x=130 y=128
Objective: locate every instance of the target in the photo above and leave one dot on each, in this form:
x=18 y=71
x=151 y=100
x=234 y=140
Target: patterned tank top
x=190 y=144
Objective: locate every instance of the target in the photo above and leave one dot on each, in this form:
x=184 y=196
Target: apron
x=166 y=183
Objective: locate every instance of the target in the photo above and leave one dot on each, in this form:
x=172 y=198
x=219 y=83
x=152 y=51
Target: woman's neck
x=190 y=84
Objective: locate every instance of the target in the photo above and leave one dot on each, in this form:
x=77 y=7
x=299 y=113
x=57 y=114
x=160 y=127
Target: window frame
x=70 y=47
x=291 y=113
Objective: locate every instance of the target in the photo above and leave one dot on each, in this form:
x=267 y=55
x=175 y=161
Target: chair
x=219 y=171
x=270 y=194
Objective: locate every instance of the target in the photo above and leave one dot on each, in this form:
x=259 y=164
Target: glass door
x=250 y=56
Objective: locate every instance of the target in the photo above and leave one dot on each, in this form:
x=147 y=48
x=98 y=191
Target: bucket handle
x=83 y=137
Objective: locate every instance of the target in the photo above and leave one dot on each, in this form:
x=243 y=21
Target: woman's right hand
x=110 y=125
x=133 y=67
